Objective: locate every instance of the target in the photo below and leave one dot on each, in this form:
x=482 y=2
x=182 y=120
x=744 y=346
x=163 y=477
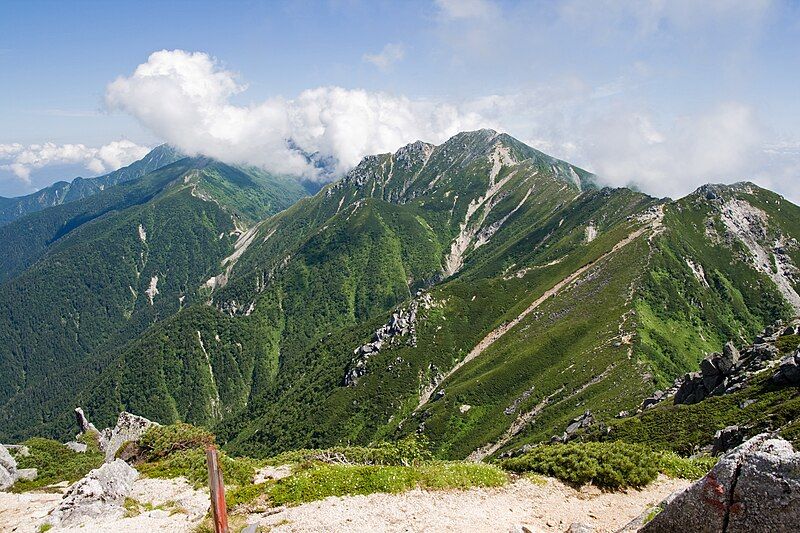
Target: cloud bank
x=21 y=160
x=186 y=99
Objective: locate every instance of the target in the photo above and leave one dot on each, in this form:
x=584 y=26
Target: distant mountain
x=478 y=292
x=63 y=192
x=89 y=275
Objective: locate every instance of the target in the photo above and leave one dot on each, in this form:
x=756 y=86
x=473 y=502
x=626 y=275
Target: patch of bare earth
x=545 y=506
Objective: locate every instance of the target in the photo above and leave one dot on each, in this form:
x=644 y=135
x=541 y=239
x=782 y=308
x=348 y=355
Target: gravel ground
x=546 y=506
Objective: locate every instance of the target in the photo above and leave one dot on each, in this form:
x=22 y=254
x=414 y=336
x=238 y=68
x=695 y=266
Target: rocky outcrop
x=101 y=493
x=8 y=468
x=402 y=323
x=788 y=372
x=729 y=371
x=728 y=438
x=755 y=487
x=578 y=423
x=129 y=428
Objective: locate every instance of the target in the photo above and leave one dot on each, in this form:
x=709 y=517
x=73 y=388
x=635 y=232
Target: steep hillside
x=478 y=292
x=113 y=264
x=63 y=192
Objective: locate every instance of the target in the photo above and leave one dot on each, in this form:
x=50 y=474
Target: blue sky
x=663 y=95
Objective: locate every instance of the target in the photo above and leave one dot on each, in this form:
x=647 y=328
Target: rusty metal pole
x=219 y=510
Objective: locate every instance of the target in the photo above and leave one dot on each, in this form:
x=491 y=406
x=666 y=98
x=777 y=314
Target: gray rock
x=7 y=461
x=727 y=438
x=129 y=428
x=755 y=487
x=78 y=447
x=788 y=372
x=83 y=422
x=8 y=469
x=101 y=492
x=28 y=474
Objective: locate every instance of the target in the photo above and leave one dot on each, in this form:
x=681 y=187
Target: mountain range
x=480 y=293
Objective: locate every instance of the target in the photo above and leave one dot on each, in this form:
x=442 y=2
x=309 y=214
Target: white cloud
x=391 y=54
x=466 y=9
x=21 y=160
x=185 y=98
x=627 y=147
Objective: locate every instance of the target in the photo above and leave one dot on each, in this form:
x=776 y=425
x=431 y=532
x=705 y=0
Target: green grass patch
x=673 y=465
x=191 y=464
x=55 y=463
x=316 y=481
x=405 y=452
x=608 y=465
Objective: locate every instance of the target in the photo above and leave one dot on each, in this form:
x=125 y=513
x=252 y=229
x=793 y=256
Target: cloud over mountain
x=23 y=159
x=186 y=99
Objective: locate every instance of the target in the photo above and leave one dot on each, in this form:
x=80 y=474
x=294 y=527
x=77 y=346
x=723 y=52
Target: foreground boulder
x=8 y=468
x=101 y=493
x=755 y=487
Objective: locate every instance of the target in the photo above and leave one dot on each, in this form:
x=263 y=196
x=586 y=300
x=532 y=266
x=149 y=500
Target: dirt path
x=495 y=334
x=546 y=506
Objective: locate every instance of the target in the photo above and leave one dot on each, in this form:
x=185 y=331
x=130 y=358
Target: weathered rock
x=788 y=372
x=101 y=492
x=129 y=428
x=755 y=487
x=83 y=422
x=28 y=474
x=729 y=359
x=727 y=438
x=8 y=468
x=78 y=447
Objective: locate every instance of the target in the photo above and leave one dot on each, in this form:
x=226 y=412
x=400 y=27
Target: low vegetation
x=55 y=463
x=179 y=450
x=610 y=465
x=315 y=481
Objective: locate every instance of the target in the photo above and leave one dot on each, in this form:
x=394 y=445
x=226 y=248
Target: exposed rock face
x=101 y=492
x=8 y=468
x=129 y=428
x=579 y=422
x=402 y=323
x=730 y=371
x=755 y=487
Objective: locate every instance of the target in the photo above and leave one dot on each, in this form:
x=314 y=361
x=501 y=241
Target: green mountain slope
x=119 y=261
x=63 y=192
x=478 y=292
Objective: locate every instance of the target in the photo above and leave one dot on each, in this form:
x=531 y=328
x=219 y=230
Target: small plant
x=609 y=465
x=45 y=527
x=409 y=451
x=673 y=465
x=191 y=464
x=160 y=441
